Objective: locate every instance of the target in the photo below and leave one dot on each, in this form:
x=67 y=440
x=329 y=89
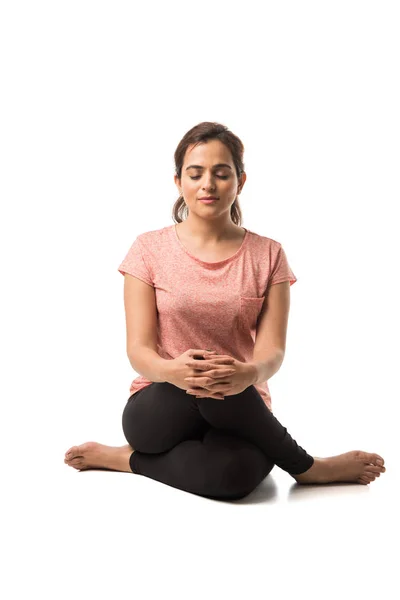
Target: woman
x=199 y=419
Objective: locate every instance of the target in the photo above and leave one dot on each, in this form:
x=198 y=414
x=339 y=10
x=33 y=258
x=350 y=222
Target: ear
x=178 y=183
x=242 y=179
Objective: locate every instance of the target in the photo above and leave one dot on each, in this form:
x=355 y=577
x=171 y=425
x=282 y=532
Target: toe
x=370 y=458
x=372 y=473
x=363 y=480
x=72 y=452
x=373 y=469
x=378 y=460
x=75 y=462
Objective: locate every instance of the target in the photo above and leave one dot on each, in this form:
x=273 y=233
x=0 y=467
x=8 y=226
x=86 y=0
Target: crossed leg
x=221 y=449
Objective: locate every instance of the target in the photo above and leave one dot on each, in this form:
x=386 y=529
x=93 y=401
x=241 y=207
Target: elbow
x=273 y=353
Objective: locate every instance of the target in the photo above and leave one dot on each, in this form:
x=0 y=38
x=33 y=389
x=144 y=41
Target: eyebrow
x=215 y=166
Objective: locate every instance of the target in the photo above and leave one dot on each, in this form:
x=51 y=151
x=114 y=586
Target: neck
x=208 y=232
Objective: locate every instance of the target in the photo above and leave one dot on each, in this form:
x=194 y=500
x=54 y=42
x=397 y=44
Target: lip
x=208 y=199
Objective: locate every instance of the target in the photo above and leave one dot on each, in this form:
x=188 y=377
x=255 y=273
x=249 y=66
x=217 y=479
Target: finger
x=216 y=388
x=199 y=352
x=199 y=392
x=208 y=394
x=203 y=387
x=215 y=374
x=213 y=382
x=216 y=356
x=203 y=365
x=208 y=354
x=220 y=389
x=219 y=373
x=210 y=376
x=208 y=384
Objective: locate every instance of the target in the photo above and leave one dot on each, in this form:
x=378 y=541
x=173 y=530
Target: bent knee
x=242 y=473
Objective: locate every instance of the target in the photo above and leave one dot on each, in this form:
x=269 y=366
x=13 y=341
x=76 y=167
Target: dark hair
x=201 y=133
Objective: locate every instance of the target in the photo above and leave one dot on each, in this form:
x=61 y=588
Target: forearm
x=266 y=366
x=149 y=364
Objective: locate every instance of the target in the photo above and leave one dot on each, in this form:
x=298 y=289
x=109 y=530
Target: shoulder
x=154 y=235
x=264 y=244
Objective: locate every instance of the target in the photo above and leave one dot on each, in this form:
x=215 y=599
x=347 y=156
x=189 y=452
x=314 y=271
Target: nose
x=209 y=183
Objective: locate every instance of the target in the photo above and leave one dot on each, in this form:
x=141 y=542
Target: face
x=214 y=174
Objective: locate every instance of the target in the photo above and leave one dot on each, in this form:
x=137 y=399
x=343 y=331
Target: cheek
x=190 y=189
x=190 y=185
x=230 y=189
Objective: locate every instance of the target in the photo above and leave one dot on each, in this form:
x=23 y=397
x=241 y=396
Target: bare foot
x=92 y=455
x=355 y=466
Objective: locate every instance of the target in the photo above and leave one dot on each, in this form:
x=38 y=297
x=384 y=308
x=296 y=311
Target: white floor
x=99 y=534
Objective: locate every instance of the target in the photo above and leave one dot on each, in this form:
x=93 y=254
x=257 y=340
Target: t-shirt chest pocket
x=250 y=309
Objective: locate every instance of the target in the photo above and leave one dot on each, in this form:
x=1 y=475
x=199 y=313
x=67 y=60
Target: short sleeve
x=134 y=263
x=281 y=270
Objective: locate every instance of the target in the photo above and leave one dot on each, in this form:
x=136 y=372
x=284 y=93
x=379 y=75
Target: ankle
x=318 y=472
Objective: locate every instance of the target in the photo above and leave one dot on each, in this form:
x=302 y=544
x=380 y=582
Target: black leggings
x=219 y=449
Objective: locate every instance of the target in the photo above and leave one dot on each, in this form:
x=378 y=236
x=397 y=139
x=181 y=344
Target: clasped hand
x=219 y=375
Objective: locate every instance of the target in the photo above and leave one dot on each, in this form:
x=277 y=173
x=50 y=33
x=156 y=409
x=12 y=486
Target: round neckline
x=212 y=264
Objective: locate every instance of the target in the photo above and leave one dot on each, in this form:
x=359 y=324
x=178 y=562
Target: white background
x=95 y=98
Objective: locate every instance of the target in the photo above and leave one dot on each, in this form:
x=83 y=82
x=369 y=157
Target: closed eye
x=220 y=176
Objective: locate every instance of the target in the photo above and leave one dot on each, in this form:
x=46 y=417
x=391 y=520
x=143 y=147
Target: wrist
x=165 y=370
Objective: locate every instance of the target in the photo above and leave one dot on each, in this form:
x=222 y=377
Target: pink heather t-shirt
x=201 y=304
